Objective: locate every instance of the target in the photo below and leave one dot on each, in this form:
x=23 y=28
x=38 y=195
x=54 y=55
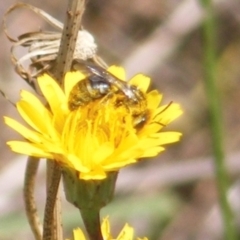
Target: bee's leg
x=140 y=120
x=159 y=123
x=106 y=97
x=163 y=110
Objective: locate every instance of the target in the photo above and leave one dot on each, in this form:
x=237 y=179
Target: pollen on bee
x=100 y=84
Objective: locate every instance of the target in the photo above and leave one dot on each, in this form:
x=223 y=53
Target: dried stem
x=69 y=38
x=29 y=200
x=52 y=225
x=50 y=230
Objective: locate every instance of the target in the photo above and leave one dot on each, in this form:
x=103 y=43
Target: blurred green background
x=173 y=196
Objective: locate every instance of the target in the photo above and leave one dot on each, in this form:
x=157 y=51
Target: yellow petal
x=141 y=81
x=117 y=71
x=78 y=234
x=103 y=152
x=70 y=80
x=126 y=233
x=33 y=112
x=25 y=132
x=119 y=163
x=154 y=98
x=75 y=162
x=167 y=113
x=163 y=138
x=105 y=228
x=29 y=149
x=36 y=119
x=29 y=97
x=123 y=154
x=96 y=174
x=153 y=151
x=52 y=92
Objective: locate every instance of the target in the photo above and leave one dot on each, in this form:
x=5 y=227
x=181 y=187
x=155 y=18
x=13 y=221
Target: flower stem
x=209 y=28
x=92 y=223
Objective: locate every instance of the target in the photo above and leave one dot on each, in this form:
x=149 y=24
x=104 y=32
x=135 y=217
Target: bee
x=100 y=83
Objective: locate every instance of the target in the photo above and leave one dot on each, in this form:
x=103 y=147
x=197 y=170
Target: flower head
x=127 y=232
x=100 y=134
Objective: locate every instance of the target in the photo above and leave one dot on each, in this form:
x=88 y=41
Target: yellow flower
x=101 y=136
x=126 y=233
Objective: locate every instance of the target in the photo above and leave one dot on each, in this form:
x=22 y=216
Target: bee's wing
x=96 y=75
x=99 y=74
x=88 y=68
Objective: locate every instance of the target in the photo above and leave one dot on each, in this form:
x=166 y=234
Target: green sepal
x=88 y=194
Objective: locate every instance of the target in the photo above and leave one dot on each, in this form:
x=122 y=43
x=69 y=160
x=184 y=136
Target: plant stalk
x=215 y=114
x=91 y=221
